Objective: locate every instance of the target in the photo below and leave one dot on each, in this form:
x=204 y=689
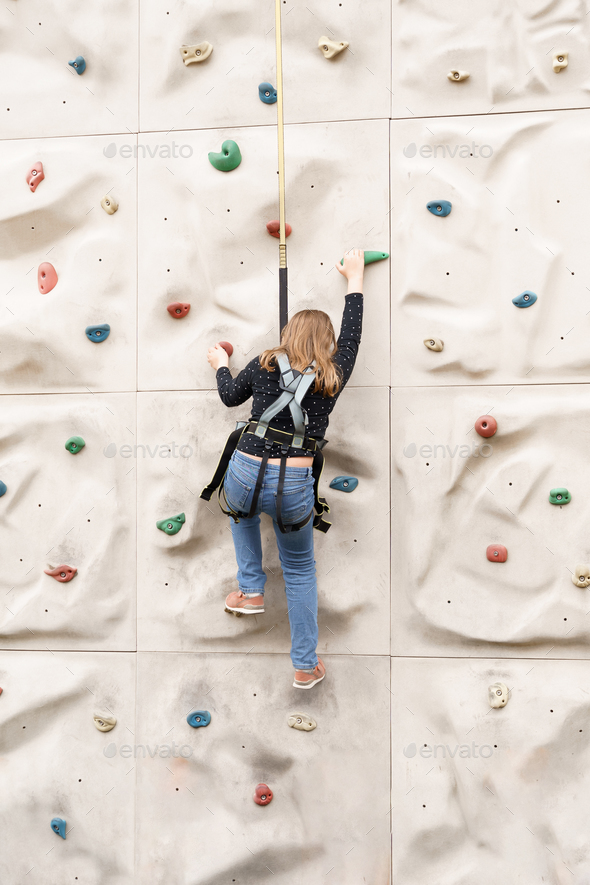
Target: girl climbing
x=309 y=344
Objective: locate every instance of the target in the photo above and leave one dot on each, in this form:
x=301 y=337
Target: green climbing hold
x=371 y=257
x=228 y=158
x=559 y=496
x=173 y=525
x=74 y=444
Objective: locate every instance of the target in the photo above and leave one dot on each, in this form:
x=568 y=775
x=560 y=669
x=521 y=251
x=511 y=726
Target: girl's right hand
x=353 y=264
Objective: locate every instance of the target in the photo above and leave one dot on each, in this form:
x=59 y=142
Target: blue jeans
x=295 y=548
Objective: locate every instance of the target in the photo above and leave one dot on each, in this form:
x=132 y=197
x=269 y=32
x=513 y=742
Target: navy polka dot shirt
x=263 y=387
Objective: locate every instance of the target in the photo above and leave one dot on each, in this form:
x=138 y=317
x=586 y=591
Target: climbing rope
x=283 y=298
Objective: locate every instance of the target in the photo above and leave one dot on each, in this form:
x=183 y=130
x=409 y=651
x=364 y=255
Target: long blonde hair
x=308 y=336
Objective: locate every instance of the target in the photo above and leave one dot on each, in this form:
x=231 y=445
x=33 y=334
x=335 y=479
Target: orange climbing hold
x=273 y=227
x=46 y=277
x=486 y=426
x=497 y=553
x=35 y=176
x=262 y=794
x=178 y=309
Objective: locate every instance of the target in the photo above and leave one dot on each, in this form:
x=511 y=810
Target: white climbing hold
x=559 y=61
x=192 y=54
x=457 y=76
x=498 y=694
x=581 y=576
x=434 y=344
x=330 y=48
x=109 y=204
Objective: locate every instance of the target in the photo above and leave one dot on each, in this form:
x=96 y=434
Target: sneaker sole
x=309 y=684
x=243 y=611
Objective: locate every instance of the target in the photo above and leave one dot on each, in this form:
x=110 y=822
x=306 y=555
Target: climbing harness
x=294 y=385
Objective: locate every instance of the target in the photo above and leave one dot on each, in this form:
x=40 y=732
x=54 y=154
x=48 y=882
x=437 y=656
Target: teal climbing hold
x=344 y=483
x=78 y=64
x=58 y=825
x=371 y=257
x=74 y=444
x=439 y=207
x=173 y=525
x=228 y=158
x=267 y=93
x=3 y=488
x=98 y=333
x=525 y=299
x=559 y=496
x=199 y=718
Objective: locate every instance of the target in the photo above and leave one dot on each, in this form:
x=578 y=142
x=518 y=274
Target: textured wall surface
x=411 y=777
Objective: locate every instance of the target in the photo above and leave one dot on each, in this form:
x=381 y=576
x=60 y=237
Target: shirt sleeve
x=235 y=391
x=350 y=335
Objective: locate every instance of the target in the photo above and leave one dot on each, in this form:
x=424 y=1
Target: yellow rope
x=280 y=128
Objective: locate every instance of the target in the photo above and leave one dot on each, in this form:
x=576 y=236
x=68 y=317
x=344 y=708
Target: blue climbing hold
x=78 y=64
x=58 y=825
x=439 y=207
x=98 y=333
x=267 y=93
x=344 y=483
x=3 y=488
x=525 y=299
x=199 y=718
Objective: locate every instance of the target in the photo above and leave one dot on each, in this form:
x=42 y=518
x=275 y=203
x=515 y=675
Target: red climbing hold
x=262 y=794
x=273 y=227
x=62 y=573
x=229 y=348
x=496 y=553
x=35 y=176
x=178 y=309
x=1 y=690
x=486 y=426
x=46 y=277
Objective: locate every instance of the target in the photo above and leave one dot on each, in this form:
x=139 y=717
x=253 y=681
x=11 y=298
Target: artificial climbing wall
x=411 y=776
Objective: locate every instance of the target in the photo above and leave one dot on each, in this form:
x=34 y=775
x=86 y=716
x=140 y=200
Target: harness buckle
x=260 y=431
x=297 y=442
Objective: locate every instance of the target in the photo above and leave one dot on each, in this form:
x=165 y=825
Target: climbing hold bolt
x=58 y=825
x=301 y=721
x=525 y=299
x=173 y=525
x=104 y=723
x=439 y=207
x=229 y=349
x=3 y=488
x=581 y=576
x=371 y=257
x=35 y=176
x=498 y=694
x=46 y=277
x=192 y=54
x=330 y=48
x=74 y=444
x=178 y=309
x=273 y=227
x=109 y=204
x=98 y=333
x=262 y=794
x=344 y=483
x=457 y=76
x=267 y=93
x=199 y=718
x=496 y=553
x=436 y=344
x=486 y=426
x=62 y=573
x=559 y=61
x=228 y=158
x=78 y=64
x=559 y=496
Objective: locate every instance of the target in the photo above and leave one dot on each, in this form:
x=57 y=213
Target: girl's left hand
x=217 y=357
